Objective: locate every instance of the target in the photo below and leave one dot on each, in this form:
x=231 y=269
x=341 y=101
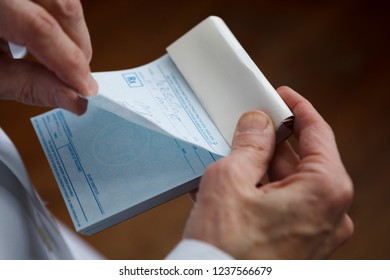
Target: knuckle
x=27 y=94
x=336 y=191
x=76 y=60
x=344 y=230
x=338 y=187
x=345 y=191
x=70 y=8
x=256 y=154
x=348 y=230
x=42 y=22
x=260 y=146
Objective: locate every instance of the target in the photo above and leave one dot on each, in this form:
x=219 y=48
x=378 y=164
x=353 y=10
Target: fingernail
x=253 y=122
x=92 y=85
x=81 y=106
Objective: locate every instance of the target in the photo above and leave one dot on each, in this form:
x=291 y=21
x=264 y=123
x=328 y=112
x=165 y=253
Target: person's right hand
x=56 y=34
x=300 y=214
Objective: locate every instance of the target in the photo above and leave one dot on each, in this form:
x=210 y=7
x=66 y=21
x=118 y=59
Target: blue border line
x=60 y=117
x=63 y=166
x=181 y=148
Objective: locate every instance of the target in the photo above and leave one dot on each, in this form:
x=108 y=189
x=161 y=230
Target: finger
x=32 y=84
x=283 y=163
x=69 y=14
x=314 y=135
x=26 y=23
x=318 y=151
x=253 y=145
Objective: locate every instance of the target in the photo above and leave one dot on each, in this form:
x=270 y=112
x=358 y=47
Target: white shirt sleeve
x=27 y=229
x=191 y=249
x=17 y=51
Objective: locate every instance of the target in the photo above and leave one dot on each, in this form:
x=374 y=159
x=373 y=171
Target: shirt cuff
x=17 y=51
x=191 y=249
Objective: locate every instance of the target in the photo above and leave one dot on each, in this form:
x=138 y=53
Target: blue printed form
x=117 y=162
x=109 y=169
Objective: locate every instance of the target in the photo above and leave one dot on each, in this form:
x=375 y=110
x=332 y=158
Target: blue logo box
x=132 y=79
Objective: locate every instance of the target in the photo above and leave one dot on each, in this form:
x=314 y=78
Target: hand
x=56 y=34
x=299 y=214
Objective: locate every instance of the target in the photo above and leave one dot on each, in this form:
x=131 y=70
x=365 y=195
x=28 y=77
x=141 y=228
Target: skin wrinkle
x=71 y=19
x=26 y=93
x=41 y=24
x=70 y=8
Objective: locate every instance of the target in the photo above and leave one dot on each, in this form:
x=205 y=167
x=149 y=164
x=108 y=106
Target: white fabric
x=17 y=51
x=79 y=248
x=27 y=230
x=191 y=249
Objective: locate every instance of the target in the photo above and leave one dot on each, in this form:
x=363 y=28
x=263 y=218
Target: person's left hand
x=56 y=34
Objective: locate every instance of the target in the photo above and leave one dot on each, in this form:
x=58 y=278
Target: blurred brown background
x=335 y=53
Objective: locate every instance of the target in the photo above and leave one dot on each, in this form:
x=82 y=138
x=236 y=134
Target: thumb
x=253 y=144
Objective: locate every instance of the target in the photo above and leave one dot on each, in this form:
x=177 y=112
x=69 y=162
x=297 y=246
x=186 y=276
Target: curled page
x=225 y=79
